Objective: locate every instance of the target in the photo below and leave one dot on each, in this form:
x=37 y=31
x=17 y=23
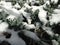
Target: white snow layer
x=42 y=16
x=54 y=42
x=54 y=1
x=3 y=27
x=16 y=5
x=15 y=39
x=55 y=19
x=29 y=26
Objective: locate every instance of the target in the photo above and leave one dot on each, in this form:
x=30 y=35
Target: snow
x=29 y=21
x=59 y=6
x=0 y=10
x=0 y=21
x=49 y=31
x=54 y=1
x=29 y=26
x=34 y=8
x=57 y=11
x=45 y=1
x=15 y=39
x=12 y=17
x=16 y=5
x=3 y=27
x=6 y=4
x=27 y=6
x=31 y=0
x=42 y=16
x=11 y=11
x=26 y=15
x=55 y=19
x=55 y=42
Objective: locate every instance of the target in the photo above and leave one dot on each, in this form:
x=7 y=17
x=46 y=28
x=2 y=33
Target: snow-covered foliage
x=29 y=22
x=54 y=1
